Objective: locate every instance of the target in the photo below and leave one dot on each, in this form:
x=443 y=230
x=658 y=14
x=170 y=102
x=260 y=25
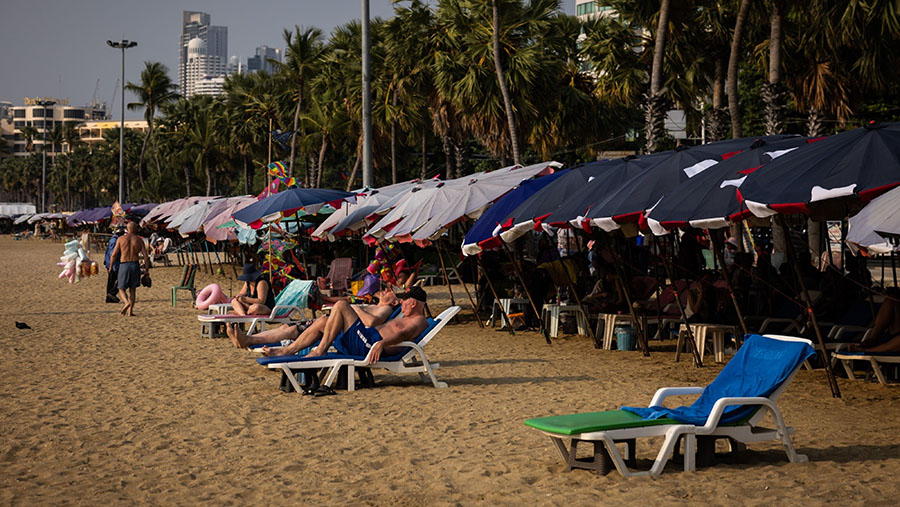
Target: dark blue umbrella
x=481 y=235
x=708 y=199
x=641 y=193
x=834 y=177
x=288 y=202
x=617 y=172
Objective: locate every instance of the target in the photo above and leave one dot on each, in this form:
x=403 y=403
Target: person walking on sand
x=129 y=251
x=112 y=268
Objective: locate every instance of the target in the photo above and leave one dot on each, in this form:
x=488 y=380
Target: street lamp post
x=367 y=174
x=44 y=104
x=123 y=45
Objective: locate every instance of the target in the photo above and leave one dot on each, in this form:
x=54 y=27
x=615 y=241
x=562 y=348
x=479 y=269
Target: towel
x=758 y=369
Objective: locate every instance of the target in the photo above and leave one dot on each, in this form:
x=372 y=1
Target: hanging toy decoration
x=75 y=263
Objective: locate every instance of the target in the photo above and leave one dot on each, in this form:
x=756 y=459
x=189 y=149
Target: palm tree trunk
x=460 y=159
x=208 y=179
x=737 y=130
x=322 y=150
x=394 y=140
x=296 y=120
x=68 y=188
x=246 y=176
x=447 y=160
x=655 y=107
x=356 y=164
x=187 y=180
x=424 y=151
x=774 y=93
x=718 y=115
x=507 y=104
x=141 y=156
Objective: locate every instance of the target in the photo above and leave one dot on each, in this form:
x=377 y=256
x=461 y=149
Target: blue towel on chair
x=760 y=366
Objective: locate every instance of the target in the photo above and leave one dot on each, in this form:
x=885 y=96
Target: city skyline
x=69 y=62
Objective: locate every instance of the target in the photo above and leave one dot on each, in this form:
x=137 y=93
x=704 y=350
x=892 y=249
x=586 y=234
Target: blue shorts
x=129 y=275
x=357 y=340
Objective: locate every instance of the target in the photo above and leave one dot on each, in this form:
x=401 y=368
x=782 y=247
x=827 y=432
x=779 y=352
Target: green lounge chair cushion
x=573 y=424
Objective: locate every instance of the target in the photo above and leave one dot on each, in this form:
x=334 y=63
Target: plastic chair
x=187 y=283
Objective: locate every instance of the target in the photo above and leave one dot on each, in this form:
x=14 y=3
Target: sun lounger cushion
x=574 y=424
x=759 y=367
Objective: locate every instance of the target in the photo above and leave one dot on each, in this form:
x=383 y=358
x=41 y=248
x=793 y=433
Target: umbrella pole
x=468 y=294
x=521 y=278
x=698 y=361
x=620 y=273
x=721 y=262
x=446 y=278
x=893 y=266
x=509 y=327
x=829 y=373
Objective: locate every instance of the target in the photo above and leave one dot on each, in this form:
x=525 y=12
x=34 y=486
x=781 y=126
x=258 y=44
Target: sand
x=96 y=408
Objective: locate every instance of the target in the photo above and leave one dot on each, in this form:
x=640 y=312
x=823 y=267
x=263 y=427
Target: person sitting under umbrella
x=255 y=295
x=885 y=335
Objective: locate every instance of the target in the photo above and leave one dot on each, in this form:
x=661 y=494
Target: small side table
x=550 y=316
x=219 y=309
x=506 y=304
x=609 y=326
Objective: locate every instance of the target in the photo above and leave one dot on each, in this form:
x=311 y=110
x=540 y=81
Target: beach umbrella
x=834 y=177
x=202 y=212
x=708 y=200
x=483 y=235
x=215 y=225
x=175 y=221
x=165 y=211
x=642 y=192
x=469 y=199
x=141 y=209
x=522 y=218
x=398 y=198
x=613 y=175
x=881 y=215
x=285 y=203
x=351 y=215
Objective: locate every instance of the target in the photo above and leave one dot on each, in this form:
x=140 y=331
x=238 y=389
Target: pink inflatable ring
x=210 y=295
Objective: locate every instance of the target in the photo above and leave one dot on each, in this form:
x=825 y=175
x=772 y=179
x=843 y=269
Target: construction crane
x=112 y=103
x=94 y=98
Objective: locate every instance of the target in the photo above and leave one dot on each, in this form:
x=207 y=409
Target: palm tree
x=737 y=130
x=501 y=81
x=656 y=103
x=203 y=138
x=302 y=52
x=29 y=133
x=154 y=90
x=774 y=93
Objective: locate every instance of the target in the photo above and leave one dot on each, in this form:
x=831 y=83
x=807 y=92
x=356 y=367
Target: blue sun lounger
x=731 y=406
x=411 y=360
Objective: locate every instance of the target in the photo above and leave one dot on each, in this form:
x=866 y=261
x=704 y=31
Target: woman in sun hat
x=255 y=295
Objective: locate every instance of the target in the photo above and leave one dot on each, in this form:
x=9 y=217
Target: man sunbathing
x=886 y=329
x=351 y=336
x=370 y=315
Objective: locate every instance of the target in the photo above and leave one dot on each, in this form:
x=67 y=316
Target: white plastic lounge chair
x=292 y=298
x=729 y=407
x=412 y=360
x=875 y=359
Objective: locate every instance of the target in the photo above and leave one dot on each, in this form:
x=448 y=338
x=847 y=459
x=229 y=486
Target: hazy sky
x=58 y=48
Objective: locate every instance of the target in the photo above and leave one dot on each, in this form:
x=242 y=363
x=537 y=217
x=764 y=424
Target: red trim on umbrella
x=869 y=194
x=750 y=170
x=671 y=224
x=507 y=224
x=628 y=217
x=586 y=225
x=789 y=207
x=256 y=224
x=730 y=154
x=388 y=227
x=810 y=141
x=490 y=243
x=289 y=212
x=559 y=224
x=740 y=215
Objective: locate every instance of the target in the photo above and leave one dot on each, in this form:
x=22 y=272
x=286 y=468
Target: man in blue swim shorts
x=350 y=336
x=129 y=252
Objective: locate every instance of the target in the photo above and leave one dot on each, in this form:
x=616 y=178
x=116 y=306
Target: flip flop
x=324 y=391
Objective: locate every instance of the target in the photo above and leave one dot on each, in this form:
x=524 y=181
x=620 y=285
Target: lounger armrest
x=712 y=422
x=838 y=331
x=792 y=323
x=663 y=392
x=279 y=308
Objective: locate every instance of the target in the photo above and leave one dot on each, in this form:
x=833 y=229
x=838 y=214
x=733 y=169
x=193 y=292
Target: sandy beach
x=97 y=408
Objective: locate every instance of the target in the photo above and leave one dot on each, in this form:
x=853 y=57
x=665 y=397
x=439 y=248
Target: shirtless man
x=371 y=316
x=128 y=251
x=352 y=337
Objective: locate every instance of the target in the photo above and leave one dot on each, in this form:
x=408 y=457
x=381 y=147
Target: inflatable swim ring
x=210 y=295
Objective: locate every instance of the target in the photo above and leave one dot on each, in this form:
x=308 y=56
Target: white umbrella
x=175 y=220
x=881 y=214
x=464 y=197
x=23 y=218
x=212 y=223
x=205 y=211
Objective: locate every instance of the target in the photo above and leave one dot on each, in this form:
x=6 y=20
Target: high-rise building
x=200 y=68
x=195 y=25
x=589 y=9
x=260 y=61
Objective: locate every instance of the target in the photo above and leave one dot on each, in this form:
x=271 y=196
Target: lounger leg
x=690 y=452
x=351 y=378
x=878 y=373
x=848 y=367
x=290 y=376
x=669 y=445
